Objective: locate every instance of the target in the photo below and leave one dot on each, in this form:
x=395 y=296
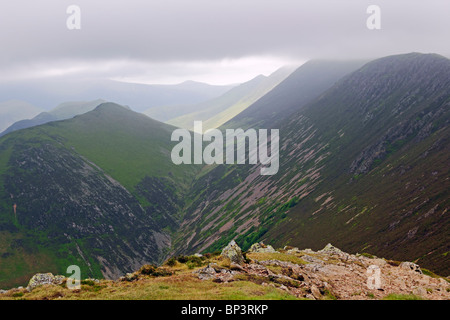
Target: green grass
x=276 y=256
x=20 y=262
x=180 y=287
x=430 y=273
x=127 y=150
x=38 y=254
x=126 y=145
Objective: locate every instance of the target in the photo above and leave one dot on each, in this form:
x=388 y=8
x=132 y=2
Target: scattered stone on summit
x=215 y=273
x=330 y=249
x=326 y=274
x=410 y=266
x=260 y=247
x=292 y=250
x=41 y=279
x=206 y=273
x=233 y=252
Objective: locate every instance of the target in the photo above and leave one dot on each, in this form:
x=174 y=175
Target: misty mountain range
x=212 y=104
x=45 y=95
x=364 y=154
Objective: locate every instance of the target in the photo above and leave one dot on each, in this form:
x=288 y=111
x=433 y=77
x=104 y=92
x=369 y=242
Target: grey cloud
x=34 y=32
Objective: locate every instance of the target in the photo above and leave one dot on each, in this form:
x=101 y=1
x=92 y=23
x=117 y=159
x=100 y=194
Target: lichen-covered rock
x=233 y=252
x=41 y=279
x=260 y=247
x=225 y=276
x=316 y=292
x=378 y=262
x=410 y=266
x=215 y=273
x=293 y=251
x=129 y=277
x=236 y=267
x=151 y=270
x=330 y=249
x=206 y=273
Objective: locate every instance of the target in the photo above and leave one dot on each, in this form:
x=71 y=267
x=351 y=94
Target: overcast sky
x=215 y=41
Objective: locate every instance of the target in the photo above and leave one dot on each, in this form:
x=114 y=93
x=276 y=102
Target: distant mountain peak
x=110 y=105
x=191 y=82
x=406 y=61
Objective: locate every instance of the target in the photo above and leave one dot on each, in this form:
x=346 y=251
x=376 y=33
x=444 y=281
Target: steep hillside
x=98 y=190
x=302 y=86
x=364 y=165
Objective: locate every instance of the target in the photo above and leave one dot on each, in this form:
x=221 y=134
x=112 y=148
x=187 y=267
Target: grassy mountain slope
x=364 y=165
x=70 y=109
x=98 y=190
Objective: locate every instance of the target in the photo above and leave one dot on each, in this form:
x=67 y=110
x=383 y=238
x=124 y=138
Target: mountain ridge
x=306 y=83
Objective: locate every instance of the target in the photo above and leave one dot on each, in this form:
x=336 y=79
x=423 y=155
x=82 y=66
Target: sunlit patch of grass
x=275 y=256
x=184 y=286
x=429 y=273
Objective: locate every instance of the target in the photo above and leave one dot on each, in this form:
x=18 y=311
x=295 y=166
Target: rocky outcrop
x=410 y=266
x=332 y=250
x=216 y=273
x=329 y=273
x=41 y=279
x=233 y=252
x=146 y=271
x=260 y=247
